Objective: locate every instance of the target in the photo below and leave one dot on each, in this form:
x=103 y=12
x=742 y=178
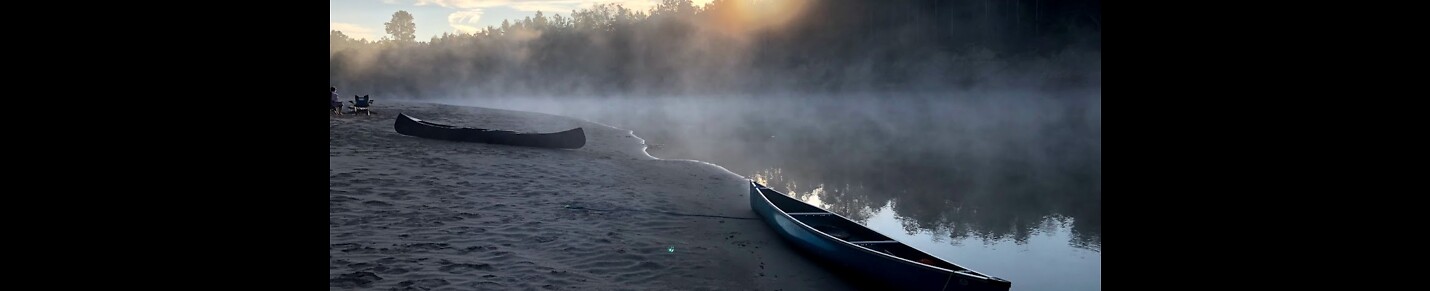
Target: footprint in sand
x=356 y=279
x=545 y=239
x=464 y=268
x=399 y=195
x=343 y=246
x=394 y=271
x=473 y=249
x=429 y=246
x=424 y=284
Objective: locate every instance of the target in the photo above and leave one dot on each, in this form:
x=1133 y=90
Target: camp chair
x=361 y=104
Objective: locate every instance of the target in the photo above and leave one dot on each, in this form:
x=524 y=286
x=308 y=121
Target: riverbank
x=407 y=212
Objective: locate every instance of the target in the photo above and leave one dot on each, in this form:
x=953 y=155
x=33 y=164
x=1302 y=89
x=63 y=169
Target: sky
x=365 y=18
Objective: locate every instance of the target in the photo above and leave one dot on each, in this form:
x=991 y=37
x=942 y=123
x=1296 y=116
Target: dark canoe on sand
x=570 y=139
x=856 y=249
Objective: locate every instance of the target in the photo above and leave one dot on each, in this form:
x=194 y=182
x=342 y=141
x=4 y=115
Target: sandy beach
x=407 y=213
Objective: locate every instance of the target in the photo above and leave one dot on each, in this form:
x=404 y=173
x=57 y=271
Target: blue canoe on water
x=847 y=245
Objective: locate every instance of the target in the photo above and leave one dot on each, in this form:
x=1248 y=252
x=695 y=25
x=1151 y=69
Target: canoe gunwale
x=965 y=272
x=574 y=138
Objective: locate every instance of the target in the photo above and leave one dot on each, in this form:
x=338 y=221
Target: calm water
x=1053 y=252
x=1005 y=183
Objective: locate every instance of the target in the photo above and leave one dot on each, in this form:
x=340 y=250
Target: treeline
x=679 y=48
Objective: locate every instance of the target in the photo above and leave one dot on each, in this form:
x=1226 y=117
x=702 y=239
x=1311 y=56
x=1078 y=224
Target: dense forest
x=737 y=46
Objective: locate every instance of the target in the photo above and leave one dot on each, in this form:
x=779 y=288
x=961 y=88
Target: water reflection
x=832 y=198
x=1006 y=183
x=992 y=166
x=947 y=211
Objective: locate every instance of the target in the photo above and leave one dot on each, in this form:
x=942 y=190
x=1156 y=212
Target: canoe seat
x=874 y=242
x=809 y=213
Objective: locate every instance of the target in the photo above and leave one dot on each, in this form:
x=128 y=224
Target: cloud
x=465 y=21
x=464 y=4
x=354 y=31
x=549 y=6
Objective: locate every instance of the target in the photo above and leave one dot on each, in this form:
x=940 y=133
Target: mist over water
x=1007 y=183
x=985 y=166
x=968 y=129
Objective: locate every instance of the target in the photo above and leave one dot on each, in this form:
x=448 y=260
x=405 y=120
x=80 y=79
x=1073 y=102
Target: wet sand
x=409 y=213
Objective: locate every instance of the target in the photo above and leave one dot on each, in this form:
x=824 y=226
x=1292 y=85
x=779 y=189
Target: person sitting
x=333 y=103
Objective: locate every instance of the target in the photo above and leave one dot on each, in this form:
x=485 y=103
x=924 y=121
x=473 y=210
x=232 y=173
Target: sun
x=749 y=15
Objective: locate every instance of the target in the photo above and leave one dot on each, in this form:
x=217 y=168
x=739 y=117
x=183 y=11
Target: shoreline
x=413 y=213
